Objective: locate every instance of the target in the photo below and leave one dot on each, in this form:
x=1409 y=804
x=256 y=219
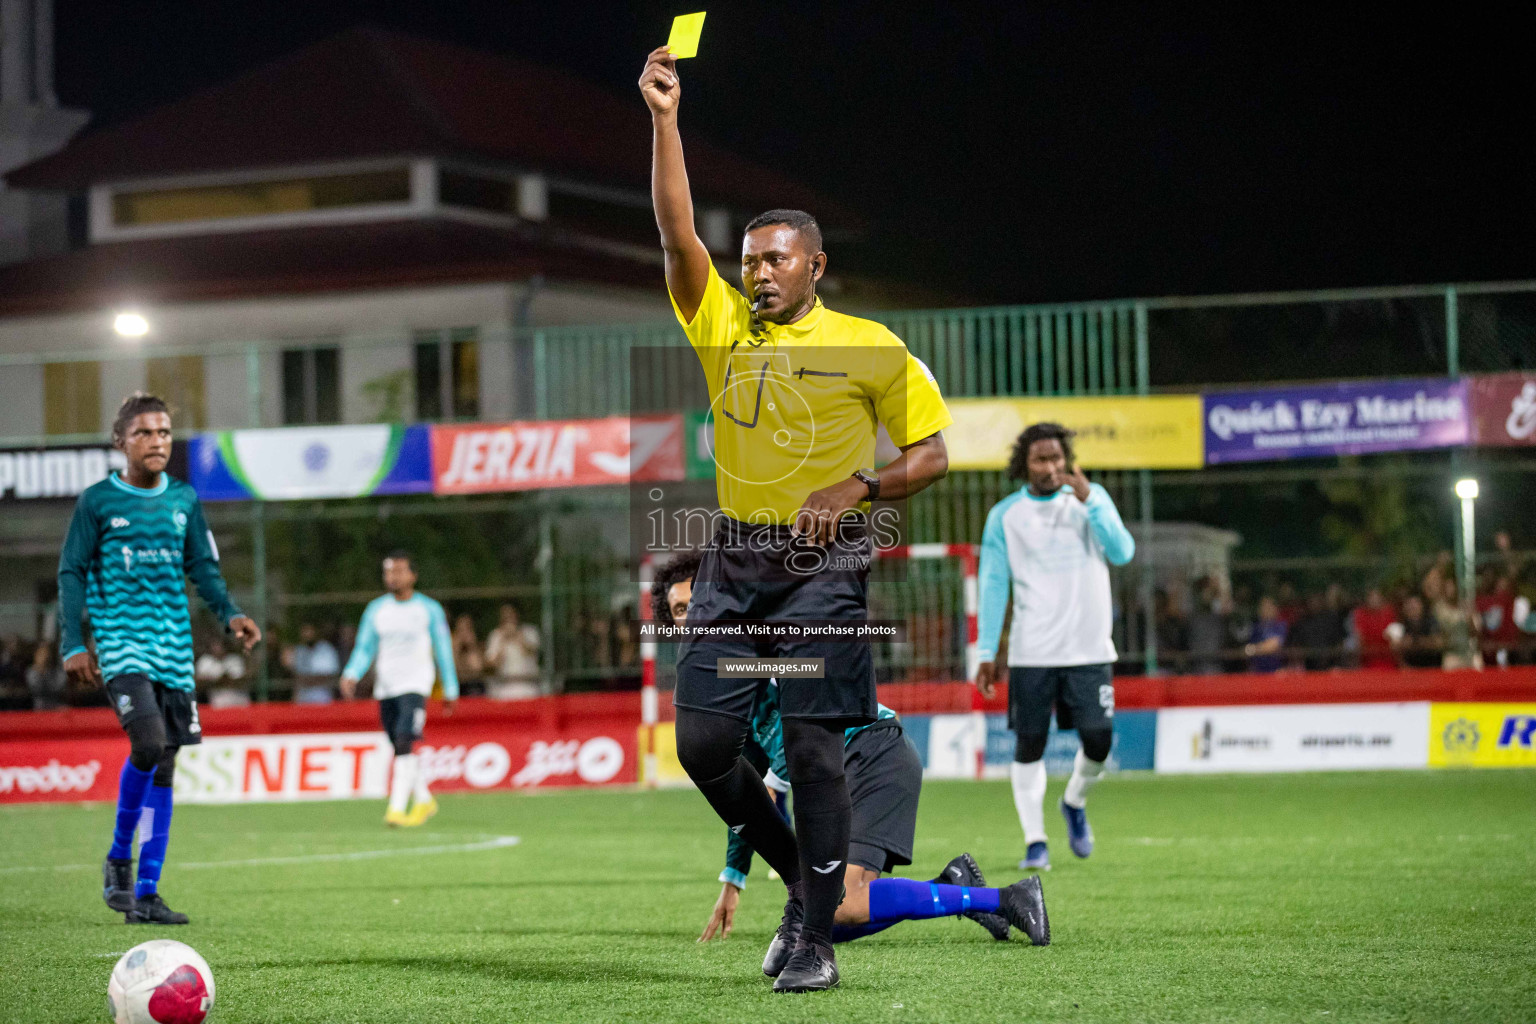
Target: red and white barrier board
x=53 y=771
x=327 y=766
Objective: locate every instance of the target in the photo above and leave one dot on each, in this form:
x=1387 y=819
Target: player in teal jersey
x=133 y=538
x=885 y=778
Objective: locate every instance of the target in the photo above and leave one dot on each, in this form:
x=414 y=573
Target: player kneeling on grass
x=407 y=631
x=134 y=538
x=885 y=778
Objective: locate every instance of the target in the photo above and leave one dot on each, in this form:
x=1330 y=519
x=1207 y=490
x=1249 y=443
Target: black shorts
x=404 y=718
x=885 y=778
x=762 y=573
x=135 y=696
x=1084 y=697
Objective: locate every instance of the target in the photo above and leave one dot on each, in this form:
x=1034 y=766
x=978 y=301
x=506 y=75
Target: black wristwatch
x=870 y=479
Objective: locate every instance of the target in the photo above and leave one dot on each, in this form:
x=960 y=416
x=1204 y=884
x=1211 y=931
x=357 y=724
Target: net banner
x=1503 y=409
x=481 y=458
x=1350 y=418
x=298 y=463
x=1118 y=432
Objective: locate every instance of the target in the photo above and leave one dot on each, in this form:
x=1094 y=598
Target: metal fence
x=570 y=577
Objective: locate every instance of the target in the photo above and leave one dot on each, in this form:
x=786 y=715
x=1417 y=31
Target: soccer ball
x=160 y=982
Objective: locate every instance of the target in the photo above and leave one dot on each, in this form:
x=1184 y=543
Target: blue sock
x=849 y=932
x=131 y=786
x=157 y=809
x=907 y=899
x=781 y=802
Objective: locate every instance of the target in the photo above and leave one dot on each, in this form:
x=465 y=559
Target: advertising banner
x=1335 y=419
x=698 y=445
x=1503 y=409
x=949 y=744
x=57 y=771
x=327 y=766
x=485 y=457
x=1482 y=736
x=296 y=463
x=29 y=474
x=1119 y=432
x=1292 y=738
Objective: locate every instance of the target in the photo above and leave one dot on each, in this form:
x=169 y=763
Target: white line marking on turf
x=494 y=843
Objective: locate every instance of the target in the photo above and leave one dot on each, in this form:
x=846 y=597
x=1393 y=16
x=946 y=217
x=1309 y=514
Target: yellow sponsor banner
x=669 y=770
x=1482 y=736
x=1119 y=432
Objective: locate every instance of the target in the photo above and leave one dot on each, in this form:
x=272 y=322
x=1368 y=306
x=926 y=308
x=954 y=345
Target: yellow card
x=684 y=40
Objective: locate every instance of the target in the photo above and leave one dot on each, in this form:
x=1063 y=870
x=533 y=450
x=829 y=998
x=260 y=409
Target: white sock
x=1084 y=774
x=420 y=793
x=400 y=783
x=1029 y=798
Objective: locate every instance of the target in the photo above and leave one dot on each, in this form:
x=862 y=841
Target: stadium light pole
x=130 y=325
x=1466 y=490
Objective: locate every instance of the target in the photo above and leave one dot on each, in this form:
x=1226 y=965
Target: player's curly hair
x=1018 y=464
x=676 y=569
x=134 y=406
x=797 y=219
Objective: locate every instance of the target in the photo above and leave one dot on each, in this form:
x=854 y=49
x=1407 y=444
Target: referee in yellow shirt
x=797 y=392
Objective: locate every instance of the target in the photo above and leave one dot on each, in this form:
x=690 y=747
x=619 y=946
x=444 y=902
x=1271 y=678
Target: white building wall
x=365 y=361
x=21 y=401
x=226 y=391
x=375 y=328
x=119 y=379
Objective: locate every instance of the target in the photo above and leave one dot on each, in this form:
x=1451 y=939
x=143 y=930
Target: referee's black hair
x=134 y=406
x=1018 y=465
x=676 y=569
x=402 y=555
x=797 y=219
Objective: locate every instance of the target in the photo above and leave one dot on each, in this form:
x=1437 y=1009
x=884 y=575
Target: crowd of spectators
x=1422 y=625
x=504 y=667
x=1203 y=629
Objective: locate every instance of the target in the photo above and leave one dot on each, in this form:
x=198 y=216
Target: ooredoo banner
x=1503 y=409
x=1349 y=418
x=325 y=766
x=486 y=457
x=1291 y=738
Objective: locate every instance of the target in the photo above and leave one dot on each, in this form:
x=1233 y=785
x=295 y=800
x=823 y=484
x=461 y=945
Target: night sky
x=1050 y=153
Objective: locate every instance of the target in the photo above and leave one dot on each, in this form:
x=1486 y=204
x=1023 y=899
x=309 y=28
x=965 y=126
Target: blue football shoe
x=1036 y=858
x=1079 y=834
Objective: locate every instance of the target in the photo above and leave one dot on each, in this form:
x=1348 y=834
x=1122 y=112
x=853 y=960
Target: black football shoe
x=811 y=968
x=964 y=870
x=151 y=909
x=783 y=944
x=1023 y=903
x=117 y=884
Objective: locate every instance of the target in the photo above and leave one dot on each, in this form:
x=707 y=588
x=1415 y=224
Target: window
x=455 y=188
x=261 y=198
x=179 y=380
x=72 y=398
x=604 y=217
x=312 y=385
x=448 y=374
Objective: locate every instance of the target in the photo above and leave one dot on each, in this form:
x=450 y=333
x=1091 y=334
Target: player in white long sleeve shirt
x=407 y=633
x=1053 y=540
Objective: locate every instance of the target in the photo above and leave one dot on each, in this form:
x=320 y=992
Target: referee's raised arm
x=687 y=260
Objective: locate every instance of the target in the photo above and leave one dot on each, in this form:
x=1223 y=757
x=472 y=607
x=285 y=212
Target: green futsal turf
x=1403 y=896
